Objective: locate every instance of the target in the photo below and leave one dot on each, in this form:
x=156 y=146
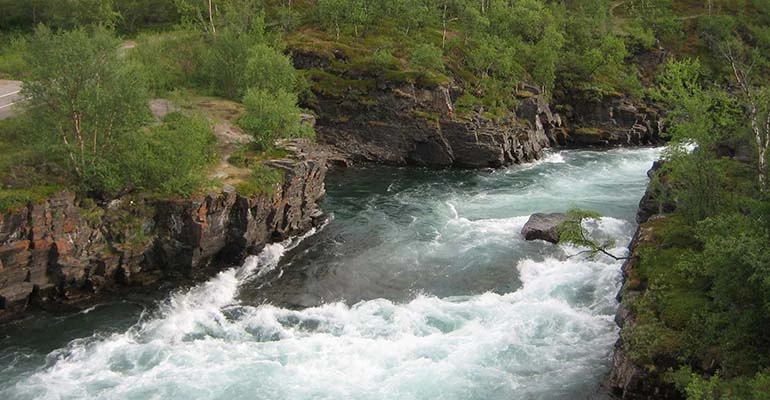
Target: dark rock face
x=612 y=120
x=543 y=227
x=368 y=118
x=62 y=252
x=630 y=382
x=652 y=202
x=411 y=125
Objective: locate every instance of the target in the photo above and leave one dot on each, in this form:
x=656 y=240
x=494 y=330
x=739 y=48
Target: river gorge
x=420 y=286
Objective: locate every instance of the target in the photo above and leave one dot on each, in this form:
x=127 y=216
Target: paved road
x=9 y=94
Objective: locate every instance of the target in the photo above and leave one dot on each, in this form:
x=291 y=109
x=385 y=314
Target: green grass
x=263 y=180
x=332 y=85
x=16 y=199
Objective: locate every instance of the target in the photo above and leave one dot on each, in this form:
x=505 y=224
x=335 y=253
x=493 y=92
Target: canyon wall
x=66 y=251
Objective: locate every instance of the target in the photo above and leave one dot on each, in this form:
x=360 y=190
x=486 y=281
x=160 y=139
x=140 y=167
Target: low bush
x=170 y=158
x=272 y=115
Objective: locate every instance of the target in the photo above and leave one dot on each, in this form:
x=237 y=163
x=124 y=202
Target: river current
x=419 y=287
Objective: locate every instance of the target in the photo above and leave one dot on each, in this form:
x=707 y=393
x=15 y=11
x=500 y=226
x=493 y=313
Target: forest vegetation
x=703 y=318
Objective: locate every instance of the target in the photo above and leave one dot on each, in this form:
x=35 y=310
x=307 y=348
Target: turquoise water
x=419 y=287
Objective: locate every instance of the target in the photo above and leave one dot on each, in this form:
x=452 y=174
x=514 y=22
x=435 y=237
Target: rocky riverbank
x=628 y=380
x=366 y=117
x=66 y=251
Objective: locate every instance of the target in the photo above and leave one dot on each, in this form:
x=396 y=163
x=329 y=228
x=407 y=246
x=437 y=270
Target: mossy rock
x=331 y=85
x=588 y=131
x=524 y=94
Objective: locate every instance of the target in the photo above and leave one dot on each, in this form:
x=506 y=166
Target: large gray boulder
x=543 y=226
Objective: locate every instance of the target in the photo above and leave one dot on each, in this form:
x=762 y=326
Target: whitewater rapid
x=538 y=326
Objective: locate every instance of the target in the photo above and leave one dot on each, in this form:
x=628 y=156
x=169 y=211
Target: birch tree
x=756 y=99
x=86 y=97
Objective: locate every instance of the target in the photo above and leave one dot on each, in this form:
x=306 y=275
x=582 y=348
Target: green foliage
x=545 y=55
x=650 y=341
x=705 y=116
x=573 y=231
x=87 y=99
x=426 y=57
x=263 y=180
x=126 y=15
x=697 y=182
x=272 y=115
x=171 y=60
x=696 y=387
x=382 y=60
x=268 y=69
x=33 y=161
x=493 y=56
x=213 y=16
x=136 y=14
x=707 y=301
x=412 y=15
x=168 y=158
x=240 y=58
x=14 y=199
x=224 y=64
x=78 y=13
x=345 y=16
x=12 y=63
x=333 y=14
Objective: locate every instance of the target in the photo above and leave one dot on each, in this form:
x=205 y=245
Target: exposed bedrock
x=372 y=117
x=406 y=124
x=65 y=251
x=611 y=120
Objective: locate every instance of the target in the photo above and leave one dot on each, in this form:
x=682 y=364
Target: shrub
x=426 y=57
x=12 y=58
x=272 y=115
x=169 y=157
x=382 y=60
x=87 y=100
x=267 y=68
x=224 y=64
x=171 y=60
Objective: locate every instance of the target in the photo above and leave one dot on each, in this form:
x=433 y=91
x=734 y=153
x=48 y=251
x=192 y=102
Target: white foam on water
x=554 y=158
x=527 y=344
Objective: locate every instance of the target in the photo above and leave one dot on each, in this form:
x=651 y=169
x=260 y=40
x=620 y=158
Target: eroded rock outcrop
x=412 y=125
x=611 y=120
x=365 y=114
x=368 y=116
x=64 y=250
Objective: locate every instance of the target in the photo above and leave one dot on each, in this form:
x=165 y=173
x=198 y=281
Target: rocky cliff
x=66 y=250
x=610 y=120
x=367 y=115
x=628 y=380
x=407 y=124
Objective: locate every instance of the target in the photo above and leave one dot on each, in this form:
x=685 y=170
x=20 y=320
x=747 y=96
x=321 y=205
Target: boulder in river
x=543 y=226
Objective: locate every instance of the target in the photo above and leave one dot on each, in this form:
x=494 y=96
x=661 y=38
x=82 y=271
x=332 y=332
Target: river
x=419 y=287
